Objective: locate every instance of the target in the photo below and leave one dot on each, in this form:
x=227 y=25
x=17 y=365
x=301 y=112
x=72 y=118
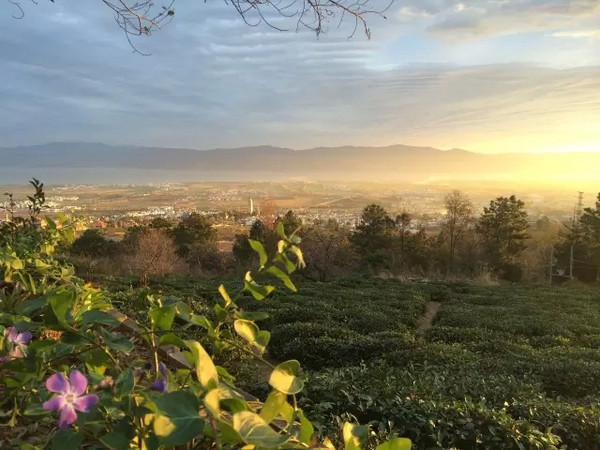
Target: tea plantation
x=512 y=366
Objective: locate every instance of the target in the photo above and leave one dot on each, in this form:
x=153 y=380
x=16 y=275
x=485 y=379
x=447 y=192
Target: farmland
x=510 y=366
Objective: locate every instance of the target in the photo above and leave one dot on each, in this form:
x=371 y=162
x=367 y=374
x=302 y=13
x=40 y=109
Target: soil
x=426 y=321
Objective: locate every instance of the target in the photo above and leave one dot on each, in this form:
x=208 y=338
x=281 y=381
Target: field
x=512 y=366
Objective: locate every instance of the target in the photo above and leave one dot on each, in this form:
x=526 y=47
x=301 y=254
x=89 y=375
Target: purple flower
x=18 y=342
x=70 y=396
x=161 y=381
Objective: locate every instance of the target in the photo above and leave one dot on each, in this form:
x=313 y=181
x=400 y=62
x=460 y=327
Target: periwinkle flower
x=18 y=342
x=160 y=384
x=70 y=396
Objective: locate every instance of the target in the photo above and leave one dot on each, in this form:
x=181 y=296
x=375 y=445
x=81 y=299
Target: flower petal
x=16 y=352
x=24 y=337
x=56 y=402
x=12 y=334
x=67 y=416
x=58 y=383
x=162 y=369
x=78 y=381
x=160 y=385
x=85 y=403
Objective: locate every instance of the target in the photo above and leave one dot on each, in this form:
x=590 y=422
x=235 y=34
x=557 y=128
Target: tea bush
x=508 y=366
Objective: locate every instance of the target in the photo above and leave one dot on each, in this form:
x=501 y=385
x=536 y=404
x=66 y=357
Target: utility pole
x=571 y=264
x=577 y=212
x=551 y=263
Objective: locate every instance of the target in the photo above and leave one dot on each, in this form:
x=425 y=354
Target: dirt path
x=427 y=319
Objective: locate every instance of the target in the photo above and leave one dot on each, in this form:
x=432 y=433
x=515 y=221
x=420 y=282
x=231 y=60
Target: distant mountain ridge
x=395 y=162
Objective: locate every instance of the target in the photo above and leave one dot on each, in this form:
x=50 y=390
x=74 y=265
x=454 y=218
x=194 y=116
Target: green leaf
x=30 y=306
x=211 y=401
x=99 y=317
x=296 y=251
x=258 y=291
x=396 y=444
x=306 y=428
x=262 y=340
x=258 y=248
x=281 y=246
x=272 y=406
x=354 y=436
x=162 y=318
x=53 y=350
x=171 y=339
x=254 y=430
x=253 y=315
x=201 y=321
x=225 y=296
x=246 y=329
x=284 y=277
x=289 y=265
x=228 y=434
x=234 y=404
x=35 y=409
x=284 y=379
x=115 y=441
x=96 y=361
x=26 y=446
x=61 y=304
x=125 y=383
x=66 y=440
x=221 y=313
x=205 y=368
x=184 y=311
x=177 y=421
x=281 y=230
x=151 y=442
x=73 y=339
x=287 y=412
x=117 y=342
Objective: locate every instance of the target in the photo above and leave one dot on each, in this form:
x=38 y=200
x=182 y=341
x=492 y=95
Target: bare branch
x=143 y=17
x=21 y=12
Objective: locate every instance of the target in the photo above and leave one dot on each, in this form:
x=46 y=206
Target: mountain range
x=395 y=162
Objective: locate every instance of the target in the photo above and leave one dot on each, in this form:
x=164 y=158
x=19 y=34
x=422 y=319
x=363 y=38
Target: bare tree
x=154 y=255
x=143 y=17
x=459 y=217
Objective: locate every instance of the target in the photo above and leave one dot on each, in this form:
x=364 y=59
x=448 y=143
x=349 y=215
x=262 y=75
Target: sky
x=483 y=75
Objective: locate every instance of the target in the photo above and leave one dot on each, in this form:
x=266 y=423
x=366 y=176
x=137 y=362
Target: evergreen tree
x=93 y=243
x=193 y=231
x=503 y=228
x=373 y=236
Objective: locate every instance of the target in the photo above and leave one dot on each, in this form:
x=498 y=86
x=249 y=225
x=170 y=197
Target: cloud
x=212 y=81
x=460 y=19
x=578 y=34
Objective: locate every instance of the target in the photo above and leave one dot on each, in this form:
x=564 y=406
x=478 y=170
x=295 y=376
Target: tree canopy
x=503 y=227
